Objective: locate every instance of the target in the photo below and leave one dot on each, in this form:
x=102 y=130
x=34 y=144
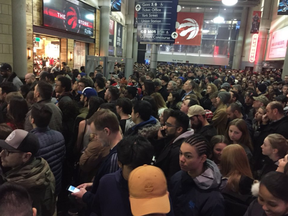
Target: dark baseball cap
x=21 y=140
x=5 y=67
x=251 y=94
x=88 y=92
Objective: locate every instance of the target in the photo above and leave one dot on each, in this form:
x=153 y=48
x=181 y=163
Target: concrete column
x=153 y=59
x=285 y=66
x=104 y=30
x=130 y=29
x=19 y=37
x=135 y=47
x=240 y=42
x=263 y=34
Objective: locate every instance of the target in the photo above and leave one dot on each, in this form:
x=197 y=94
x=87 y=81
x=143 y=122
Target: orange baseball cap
x=148 y=191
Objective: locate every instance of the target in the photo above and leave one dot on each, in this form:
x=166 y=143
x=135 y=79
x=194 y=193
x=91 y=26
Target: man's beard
x=197 y=127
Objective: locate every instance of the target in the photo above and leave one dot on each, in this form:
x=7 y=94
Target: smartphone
x=73 y=189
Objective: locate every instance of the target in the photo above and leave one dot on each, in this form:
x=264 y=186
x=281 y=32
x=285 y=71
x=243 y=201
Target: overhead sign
x=156 y=21
x=70 y=17
x=278 y=44
x=119 y=35
x=255 y=22
x=253 y=49
x=190 y=28
x=115 y=5
x=283 y=7
x=111 y=33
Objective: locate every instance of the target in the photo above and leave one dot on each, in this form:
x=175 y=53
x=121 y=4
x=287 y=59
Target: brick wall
x=6 y=50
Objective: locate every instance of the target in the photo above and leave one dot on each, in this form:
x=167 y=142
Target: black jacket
x=207 y=131
x=168 y=159
x=198 y=196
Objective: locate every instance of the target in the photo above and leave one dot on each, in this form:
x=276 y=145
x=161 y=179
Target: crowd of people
x=183 y=140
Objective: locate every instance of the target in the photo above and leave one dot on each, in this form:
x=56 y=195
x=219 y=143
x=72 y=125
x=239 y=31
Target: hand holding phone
x=73 y=189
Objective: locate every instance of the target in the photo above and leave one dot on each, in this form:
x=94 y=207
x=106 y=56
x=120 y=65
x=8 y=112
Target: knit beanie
x=262 y=88
x=224 y=97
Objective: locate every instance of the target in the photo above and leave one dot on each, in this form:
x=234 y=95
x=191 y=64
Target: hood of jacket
x=34 y=174
x=149 y=128
x=210 y=178
x=184 y=135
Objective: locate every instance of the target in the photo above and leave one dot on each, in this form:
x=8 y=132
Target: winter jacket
x=206 y=102
x=113 y=188
x=39 y=181
x=207 y=131
x=197 y=196
x=268 y=166
x=15 y=80
x=148 y=129
x=236 y=203
x=219 y=120
x=109 y=165
x=56 y=119
x=91 y=159
x=52 y=149
x=168 y=159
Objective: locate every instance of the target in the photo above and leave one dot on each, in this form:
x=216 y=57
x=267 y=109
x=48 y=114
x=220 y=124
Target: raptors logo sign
x=189 y=28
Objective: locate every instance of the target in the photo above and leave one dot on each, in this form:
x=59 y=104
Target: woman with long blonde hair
x=236 y=171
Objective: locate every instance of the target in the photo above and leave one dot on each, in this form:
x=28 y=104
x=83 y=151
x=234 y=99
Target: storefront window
x=46 y=52
x=79 y=54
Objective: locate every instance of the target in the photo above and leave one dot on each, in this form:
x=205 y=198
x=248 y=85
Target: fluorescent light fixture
x=46 y=1
x=90 y=17
x=205 y=31
x=219 y=20
x=229 y=2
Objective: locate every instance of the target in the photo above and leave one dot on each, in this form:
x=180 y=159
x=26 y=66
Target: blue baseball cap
x=88 y=92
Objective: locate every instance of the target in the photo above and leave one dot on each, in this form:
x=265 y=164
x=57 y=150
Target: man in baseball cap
x=260 y=101
x=84 y=99
x=148 y=191
x=199 y=123
x=18 y=152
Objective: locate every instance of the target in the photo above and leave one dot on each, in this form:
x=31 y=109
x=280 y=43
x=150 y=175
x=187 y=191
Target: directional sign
x=156 y=21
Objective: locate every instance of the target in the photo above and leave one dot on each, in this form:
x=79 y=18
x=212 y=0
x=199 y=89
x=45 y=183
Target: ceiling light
x=205 y=31
x=224 y=8
x=219 y=20
x=210 y=8
x=229 y=2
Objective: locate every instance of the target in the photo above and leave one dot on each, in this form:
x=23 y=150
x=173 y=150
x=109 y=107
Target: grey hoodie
x=184 y=135
x=210 y=178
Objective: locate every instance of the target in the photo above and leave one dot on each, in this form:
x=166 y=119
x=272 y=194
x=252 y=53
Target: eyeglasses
x=169 y=125
x=7 y=152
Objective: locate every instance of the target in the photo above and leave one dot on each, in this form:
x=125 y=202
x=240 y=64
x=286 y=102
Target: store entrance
x=46 y=52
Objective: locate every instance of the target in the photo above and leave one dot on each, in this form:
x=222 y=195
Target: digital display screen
x=116 y=5
x=67 y=16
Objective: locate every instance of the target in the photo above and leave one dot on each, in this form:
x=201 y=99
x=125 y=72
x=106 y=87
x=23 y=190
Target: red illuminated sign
x=253 y=48
x=64 y=15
